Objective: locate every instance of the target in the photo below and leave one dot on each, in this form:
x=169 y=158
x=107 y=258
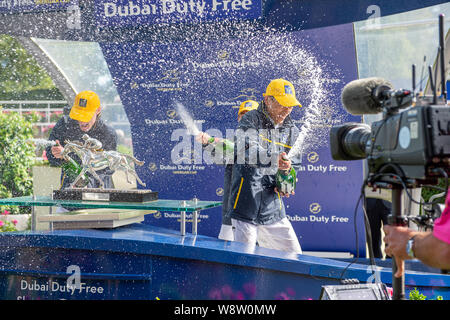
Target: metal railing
x=23 y=107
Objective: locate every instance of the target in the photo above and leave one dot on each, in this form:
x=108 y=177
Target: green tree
x=19 y=72
x=16 y=157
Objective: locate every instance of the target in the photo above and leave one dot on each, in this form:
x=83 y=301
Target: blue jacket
x=252 y=195
x=226 y=220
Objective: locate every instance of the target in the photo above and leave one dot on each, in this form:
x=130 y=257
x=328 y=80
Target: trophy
x=93 y=159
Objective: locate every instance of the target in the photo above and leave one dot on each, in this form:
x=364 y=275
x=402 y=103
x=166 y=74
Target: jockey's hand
x=284 y=163
x=57 y=150
x=203 y=138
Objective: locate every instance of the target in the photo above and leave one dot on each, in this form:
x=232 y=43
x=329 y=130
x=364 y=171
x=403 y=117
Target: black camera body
x=411 y=144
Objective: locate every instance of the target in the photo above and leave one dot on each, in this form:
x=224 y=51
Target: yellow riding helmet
x=85 y=105
x=247 y=106
x=283 y=91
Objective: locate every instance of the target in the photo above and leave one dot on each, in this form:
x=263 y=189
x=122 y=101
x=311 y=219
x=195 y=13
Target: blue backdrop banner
x=141 y=12
x=210 y=79
x=139 y=20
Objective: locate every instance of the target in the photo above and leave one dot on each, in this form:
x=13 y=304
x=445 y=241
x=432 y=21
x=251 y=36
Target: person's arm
x=295 y=156
x=57 y=134
x=432 y=251
x=285 y=164
x=203 y=138
x=427 y=248
x=434 y=248
x=248 y=146
x=220 y=150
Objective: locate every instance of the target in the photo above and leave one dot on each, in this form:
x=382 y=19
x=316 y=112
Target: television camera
x=408 y=148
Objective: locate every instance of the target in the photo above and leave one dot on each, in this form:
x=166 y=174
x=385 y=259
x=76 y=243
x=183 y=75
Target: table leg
x=50 y=211
x=194 y=222
x=183 y=223
x=33 y=215
x=33 y=219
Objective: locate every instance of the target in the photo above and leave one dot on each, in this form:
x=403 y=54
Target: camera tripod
x=396 y=218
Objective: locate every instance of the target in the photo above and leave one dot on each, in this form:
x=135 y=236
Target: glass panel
x=167 y=205
x=84 y=66
x=387 y=47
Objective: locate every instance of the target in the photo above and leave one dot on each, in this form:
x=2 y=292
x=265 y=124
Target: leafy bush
x=16 y=158
x=416 y=295
x=7 y=226
x=427 y=192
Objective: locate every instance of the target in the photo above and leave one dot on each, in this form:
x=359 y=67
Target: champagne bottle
x=72 y=169
x=224 y=147
x=286 y=181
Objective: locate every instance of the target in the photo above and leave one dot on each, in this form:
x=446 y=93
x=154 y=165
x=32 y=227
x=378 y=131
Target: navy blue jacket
x=70 y=130
x=252 y=195
x=226 y=184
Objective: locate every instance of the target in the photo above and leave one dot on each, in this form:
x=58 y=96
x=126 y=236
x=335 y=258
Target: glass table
x=181 y=206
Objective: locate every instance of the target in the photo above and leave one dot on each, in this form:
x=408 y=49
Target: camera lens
x=348 y=142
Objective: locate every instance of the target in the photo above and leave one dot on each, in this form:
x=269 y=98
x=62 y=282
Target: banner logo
x=171 y=113
x=315 y=208
x=219 y=192
x=168 y=81
x=313 y=157
x=223 y=55
x=235 y=102
x=145 y=12
x=157 y=215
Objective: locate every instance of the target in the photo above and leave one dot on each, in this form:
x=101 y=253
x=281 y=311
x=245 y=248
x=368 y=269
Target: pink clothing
x=442 y=224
